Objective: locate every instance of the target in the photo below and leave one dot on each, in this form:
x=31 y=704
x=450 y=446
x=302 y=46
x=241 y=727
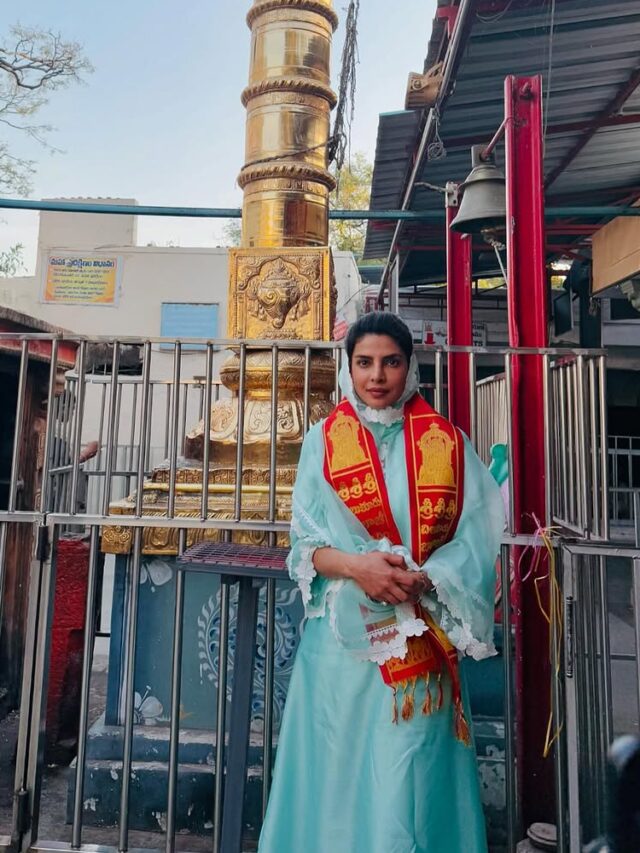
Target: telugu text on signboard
x=85 y=280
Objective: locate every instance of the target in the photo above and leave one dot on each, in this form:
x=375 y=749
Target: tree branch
x=33 y=63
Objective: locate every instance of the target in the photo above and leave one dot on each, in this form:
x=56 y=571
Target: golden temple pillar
x=281 y=281
x=289 y=100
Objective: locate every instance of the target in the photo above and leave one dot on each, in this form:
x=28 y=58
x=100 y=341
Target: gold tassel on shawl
x=427 y=707
x=408 y=687
x=461 y=726
x=408 y=704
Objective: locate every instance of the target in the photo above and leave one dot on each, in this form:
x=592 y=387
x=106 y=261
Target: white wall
x=88 y=230
x=349 y=284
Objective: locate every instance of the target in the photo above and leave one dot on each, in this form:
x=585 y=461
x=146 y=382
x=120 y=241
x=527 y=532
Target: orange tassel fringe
x=427 y=705
x=460 y=724
x=407 y=710
x=408 y=704
x=440 y=693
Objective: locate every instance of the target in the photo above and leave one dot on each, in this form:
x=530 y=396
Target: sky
x=160 y=119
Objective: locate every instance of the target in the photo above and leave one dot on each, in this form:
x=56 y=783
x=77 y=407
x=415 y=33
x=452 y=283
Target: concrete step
x=148 y=796
x=151 y=743
x=196 y=776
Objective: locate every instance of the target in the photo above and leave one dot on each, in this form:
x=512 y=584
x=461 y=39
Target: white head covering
x=390 y=414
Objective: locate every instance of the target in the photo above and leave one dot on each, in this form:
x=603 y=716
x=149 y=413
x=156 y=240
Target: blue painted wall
x=200 y=645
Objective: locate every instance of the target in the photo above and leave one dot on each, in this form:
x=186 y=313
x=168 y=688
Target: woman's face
x=379 y=370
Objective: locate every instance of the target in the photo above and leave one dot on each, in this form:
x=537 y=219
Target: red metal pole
x=459 y=314
x=527 y=304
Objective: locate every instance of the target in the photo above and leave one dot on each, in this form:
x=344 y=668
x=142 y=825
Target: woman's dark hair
x=380 y=323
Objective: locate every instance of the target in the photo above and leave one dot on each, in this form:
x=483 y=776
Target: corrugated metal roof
x=396 y=134
x=594 y=53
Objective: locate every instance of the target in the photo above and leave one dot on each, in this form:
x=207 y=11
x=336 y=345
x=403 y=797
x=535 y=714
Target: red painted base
x=67 y=637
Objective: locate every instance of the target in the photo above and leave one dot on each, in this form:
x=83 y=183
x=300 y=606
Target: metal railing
x=126 y=452
x=140 y=421
x=598 y=678
x=493 y=421
x=111 y=409
x=576 y=419
x=624 y=477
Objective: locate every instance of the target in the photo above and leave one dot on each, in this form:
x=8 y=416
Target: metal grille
x=575 y=402
x=624 y=476
x=261 y=562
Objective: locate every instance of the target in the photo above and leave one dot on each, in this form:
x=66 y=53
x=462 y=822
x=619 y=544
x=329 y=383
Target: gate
x=151 y=721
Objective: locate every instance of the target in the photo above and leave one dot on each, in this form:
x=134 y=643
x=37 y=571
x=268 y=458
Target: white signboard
x=81 y=279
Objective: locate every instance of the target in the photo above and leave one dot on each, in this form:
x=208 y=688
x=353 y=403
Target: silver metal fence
x=133 y=397
x=575 y=403
x=624 y=477
x=493 y=426
x=578 y=396
x=139 y=423
x=599 y=678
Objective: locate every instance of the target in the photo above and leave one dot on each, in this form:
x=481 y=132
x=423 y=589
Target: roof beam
x=611 y=109
x=554 y=129
x=629 y=198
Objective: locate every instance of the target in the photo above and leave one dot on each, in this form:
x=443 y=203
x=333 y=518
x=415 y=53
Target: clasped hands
x=385 y=578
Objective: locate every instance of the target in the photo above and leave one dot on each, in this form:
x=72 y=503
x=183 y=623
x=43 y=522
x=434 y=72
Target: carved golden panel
x=117 y=540
x=285 y=294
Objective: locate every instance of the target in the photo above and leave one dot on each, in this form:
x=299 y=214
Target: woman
x=395 y=529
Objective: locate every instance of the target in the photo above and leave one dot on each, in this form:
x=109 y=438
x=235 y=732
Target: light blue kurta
x=347 y=780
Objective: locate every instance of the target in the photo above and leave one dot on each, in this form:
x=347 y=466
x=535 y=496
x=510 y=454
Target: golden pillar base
x=223 y=437
x=292 y=291
x=163 y=541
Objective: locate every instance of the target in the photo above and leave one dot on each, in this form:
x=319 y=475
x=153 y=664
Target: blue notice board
x=189 y=320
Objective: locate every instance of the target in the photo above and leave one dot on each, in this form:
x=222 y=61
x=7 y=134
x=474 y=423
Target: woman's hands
x=382 y=576
x=385 y=578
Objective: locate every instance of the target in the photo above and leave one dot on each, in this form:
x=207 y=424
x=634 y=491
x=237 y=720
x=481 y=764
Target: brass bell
x=483 y=203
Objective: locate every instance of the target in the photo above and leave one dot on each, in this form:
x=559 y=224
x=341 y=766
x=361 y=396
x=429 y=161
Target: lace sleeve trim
x=380 y=651
x=304 y=572
x=460 y=632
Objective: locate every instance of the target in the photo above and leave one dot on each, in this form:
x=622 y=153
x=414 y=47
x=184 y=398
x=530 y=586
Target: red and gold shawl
x=434 y=454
